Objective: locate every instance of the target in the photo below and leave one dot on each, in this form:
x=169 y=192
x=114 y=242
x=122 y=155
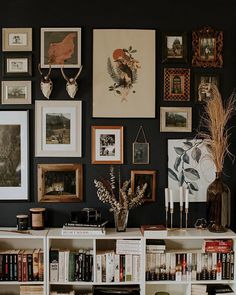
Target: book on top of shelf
x=95 y=224
x=151 y=231
x=84 y=232
x=220 y=289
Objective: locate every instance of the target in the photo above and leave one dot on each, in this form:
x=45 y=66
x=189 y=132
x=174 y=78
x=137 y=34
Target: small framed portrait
x=17 y=39
x=107 y=144
x=202 y=94
x=139 y=178
x=174 y=47
x=58 y=128
x=60 y=47
x=17 y=65
x=16 y=92
x=207 y=48
x=60 y=183
x=176 y=119
x=140 y=153
x=176 y=84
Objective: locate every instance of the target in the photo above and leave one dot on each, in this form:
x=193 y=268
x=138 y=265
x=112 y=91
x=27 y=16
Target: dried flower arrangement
x=214 y=122
x=106 y=191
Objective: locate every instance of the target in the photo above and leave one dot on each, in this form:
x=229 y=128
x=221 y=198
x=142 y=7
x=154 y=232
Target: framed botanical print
x=207 y=48
x=60 y=47
x=189 y=165
x=60 y=182
x=175 y=119
x=17 y=39
x=203 y=94
x=16 y=92
x=176 y=84
x=174 y=47
x=14 y=184
x=17 y=65
x=124 y=73
x=107 y=145
x=58 y=128
x=139 y=178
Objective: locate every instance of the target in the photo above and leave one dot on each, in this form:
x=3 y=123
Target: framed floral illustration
x=189 y=165
x=16 y=92
x=60 y=182
x=107 y=145
x=124 y=73
x=17 y=39
x=176 y=119
x=14 y=139
x=58 y=128
x=207 y=48
x=60 y=47
x=174 y=47
x=139 y=178
x=176 y=84
x=202 y=95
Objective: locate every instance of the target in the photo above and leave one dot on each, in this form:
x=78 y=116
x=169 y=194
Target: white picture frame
x=16 y=92
x=17 y=39
x=58 y=127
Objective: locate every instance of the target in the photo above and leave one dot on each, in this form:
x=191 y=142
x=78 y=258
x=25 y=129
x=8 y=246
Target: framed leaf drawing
x=123 y=73
x=190 y=166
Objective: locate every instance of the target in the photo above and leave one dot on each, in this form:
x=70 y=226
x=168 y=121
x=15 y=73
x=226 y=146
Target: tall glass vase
x=218 y=205
x=121 y=220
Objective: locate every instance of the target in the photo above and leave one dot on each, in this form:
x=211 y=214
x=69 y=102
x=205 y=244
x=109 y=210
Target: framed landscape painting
x=14 y=138
x=60 y=47
x=16 y=92
x=175 y=119
x=58 y=128
x=190 y=166
x=123 y=73
x=174 y=47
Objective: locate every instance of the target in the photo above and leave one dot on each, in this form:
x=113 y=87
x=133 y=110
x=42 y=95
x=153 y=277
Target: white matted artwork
x=190 y=166
x=124 y=73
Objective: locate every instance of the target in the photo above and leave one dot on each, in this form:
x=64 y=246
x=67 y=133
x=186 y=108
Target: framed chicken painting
x=60 y=47
x=123 y=73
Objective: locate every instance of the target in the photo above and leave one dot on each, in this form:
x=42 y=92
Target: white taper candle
x=181 y=193
x=186 y=197
x=166 y=197
x=171 y=199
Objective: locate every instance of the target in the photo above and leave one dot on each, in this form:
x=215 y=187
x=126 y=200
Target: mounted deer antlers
x=71 y=84
x=46 y=84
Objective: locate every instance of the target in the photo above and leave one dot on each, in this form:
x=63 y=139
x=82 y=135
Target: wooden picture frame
x=176 y=84
x=14 y=146
x=17 y=65
x=177 y=119
x=17 y=39
x=174 y=47
x=202 y=96
x=207 y=46
x=140 y=153
x=139 y=178
x=16 y=92
x=58 y=128
x=60 y=183
x=107 y=144
x=60 y=47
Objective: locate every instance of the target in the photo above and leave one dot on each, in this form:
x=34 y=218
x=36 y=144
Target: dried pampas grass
x=214 y=123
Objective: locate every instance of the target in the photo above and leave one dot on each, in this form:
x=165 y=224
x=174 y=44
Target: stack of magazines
x=85 y=229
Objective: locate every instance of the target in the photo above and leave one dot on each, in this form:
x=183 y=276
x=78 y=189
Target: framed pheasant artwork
x=123 y=73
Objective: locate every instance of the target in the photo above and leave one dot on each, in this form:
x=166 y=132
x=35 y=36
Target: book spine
x=117 y=268
x=172 y=266
x=214 y=266
x=61 y=266
x=36 y=265
x=54 y=270
x=19 y=263
x=10 y=267
x=219 y=267
x=41 y=265
x=1 y=268
x=87 y=270
x=122 y=268
x=110 y=267
x=223 y=258
x=24 y=268
x=103 y=268
x=199 y=266
x=83 y=266
x=30 y=266
x=91 y=266
x=228 y=268
x=15 y=267
x=232 y=265
x=98 y=268
x=136 y=268
x=128 y=268
x=66 y=272
x=71 y=271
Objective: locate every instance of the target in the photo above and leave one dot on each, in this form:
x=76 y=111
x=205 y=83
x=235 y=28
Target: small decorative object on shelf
x=216 y=136
x=127 y=199
x=71 y=84
x=37 y=218
x=22 y=221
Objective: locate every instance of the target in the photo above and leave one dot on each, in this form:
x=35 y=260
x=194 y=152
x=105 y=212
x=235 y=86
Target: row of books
x=31 y=290
x=189 y=266
x=218 y=289
x=71 y=265
x=219 y=246
x=112 y=267
x=21 y=265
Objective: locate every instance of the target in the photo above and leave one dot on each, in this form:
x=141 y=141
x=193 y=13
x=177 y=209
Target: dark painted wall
x=169 y=15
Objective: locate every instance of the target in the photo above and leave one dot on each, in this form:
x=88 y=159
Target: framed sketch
x=17 y=39
x=124 y=73
x=16 y=92
x=175 y=119
x=139 y=178
x=140 y=153
x=202 y=95
x=107 y=144
x=17 y=65
x=60 y=47
x=14 y=138
x=174 y=47
x=60 y=183
x=189 y=165
x=207 y=48
x=176 y=84
x=58 y=128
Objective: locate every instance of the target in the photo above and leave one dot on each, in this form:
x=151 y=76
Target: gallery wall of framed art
x=135 y=69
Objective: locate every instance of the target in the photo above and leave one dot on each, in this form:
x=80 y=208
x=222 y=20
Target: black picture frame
x=179 y=54
x=207 y=78
x=17 y=65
